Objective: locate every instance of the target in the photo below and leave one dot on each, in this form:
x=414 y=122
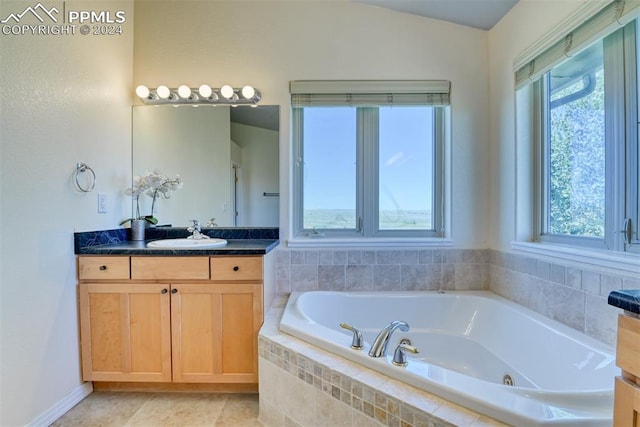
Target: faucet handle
x=356 y=342
x=399 y=356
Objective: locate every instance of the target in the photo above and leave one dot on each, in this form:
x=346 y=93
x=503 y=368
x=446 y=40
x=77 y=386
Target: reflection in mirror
x=227 y=158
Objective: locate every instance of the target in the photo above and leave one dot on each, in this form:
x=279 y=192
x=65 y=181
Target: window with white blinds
x=369 y=158
x=584 y=106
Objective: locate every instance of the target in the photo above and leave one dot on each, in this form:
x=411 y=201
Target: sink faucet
x=196 y=230
x=379 y=346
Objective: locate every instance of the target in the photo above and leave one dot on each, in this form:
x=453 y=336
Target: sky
x=406 y=158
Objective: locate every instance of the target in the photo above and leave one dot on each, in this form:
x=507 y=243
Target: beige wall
x=63 y=99
x=267 y=44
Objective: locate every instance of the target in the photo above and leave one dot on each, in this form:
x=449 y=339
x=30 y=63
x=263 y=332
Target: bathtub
x=477 y=349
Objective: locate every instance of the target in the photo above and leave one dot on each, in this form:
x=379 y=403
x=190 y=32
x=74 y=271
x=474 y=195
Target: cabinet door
x=125 y=332
x=215 y=332
x=626 y=412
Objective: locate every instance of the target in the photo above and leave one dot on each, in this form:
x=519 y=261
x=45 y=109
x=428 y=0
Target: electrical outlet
x=102 y=203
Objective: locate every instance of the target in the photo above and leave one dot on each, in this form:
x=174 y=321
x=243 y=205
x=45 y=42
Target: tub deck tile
x=456 y=414
x=483 y=421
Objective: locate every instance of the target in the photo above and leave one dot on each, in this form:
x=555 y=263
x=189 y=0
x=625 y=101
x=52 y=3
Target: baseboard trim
x=62 y=407
x=158 y=387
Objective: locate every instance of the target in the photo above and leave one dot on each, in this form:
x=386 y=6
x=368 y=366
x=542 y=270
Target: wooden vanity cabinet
x=626 y=411
x=171 y=319
x=214 y=332
x=125 y=332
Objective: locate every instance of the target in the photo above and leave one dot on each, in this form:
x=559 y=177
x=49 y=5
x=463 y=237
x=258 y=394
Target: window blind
x=362 y=93
x=612 y=16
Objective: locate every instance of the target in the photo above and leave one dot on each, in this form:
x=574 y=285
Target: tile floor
x=116 y=409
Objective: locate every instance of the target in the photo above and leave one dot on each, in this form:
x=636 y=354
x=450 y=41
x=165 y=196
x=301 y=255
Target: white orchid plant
x=155 y=185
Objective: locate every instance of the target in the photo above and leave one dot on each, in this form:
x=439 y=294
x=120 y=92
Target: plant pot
x=137 y=229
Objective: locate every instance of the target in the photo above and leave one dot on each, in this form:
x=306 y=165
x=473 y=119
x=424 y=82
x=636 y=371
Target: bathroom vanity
x=627 y=386
x=172 y=318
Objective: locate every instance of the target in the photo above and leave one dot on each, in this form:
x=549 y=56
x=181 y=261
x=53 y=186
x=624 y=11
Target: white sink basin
x=187 y=243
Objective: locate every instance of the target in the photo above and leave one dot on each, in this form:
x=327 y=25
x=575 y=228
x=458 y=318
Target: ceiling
x=482 y=14
x=266 y=117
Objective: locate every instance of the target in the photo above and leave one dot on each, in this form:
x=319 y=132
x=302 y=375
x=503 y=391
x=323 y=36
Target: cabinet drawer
x=103 y=267
x=628 y=346
x=170 y=268
x=236 y=268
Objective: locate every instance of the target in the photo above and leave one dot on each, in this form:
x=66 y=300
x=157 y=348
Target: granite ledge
x=242 y=241
x=628 y=300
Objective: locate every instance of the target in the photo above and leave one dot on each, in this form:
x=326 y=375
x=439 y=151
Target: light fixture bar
x=203 y=95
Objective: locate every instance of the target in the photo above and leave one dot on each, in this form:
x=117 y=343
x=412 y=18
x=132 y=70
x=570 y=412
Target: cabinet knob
x=236 y=268
x=164 y=291
x=174 y=291
x=103 y=267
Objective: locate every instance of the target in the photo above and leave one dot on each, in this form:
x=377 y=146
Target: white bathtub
x=468 y=342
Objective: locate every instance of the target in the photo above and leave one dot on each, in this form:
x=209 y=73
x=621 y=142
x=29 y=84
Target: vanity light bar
x=204 y=95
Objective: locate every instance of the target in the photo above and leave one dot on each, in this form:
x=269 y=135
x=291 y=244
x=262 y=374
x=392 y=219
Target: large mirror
x=227 y=159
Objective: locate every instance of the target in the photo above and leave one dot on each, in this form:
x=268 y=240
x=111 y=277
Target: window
x=588 y=146
x=329 y=146
x=368 y=164
x=574 y=148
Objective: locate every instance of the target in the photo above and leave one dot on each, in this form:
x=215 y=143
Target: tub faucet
x=379 y=346
x=399 y=356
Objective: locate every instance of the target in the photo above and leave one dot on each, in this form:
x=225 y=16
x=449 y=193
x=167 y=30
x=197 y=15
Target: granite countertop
x=628 y=300
x=241 y=241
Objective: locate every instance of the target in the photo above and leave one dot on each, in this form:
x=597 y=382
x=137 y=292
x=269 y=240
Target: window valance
x=362 y=93
x=566 y=43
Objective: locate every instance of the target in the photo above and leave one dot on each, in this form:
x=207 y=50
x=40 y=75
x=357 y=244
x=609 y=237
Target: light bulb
x=248 y=92
x=163 y=92
x=142 y=91
x=184 y=91
x=226 y=91
x=205 y=91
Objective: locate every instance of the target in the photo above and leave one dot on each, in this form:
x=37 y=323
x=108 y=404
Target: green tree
x=577 y=165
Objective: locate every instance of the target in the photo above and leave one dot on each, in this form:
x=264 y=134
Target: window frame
x=367 y=178
x=621 y=148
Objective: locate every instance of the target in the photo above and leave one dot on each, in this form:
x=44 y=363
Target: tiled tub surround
x=303 y=385
x=388 y=270
x=571 y=294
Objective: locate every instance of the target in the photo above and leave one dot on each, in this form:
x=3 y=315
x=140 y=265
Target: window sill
x=617 y=261
x=333 y=242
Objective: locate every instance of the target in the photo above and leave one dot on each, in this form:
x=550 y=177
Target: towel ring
x=82 y=168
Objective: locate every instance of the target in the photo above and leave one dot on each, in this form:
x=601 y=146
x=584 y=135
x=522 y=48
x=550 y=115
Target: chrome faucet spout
x=196 y=229
x=379 y=346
